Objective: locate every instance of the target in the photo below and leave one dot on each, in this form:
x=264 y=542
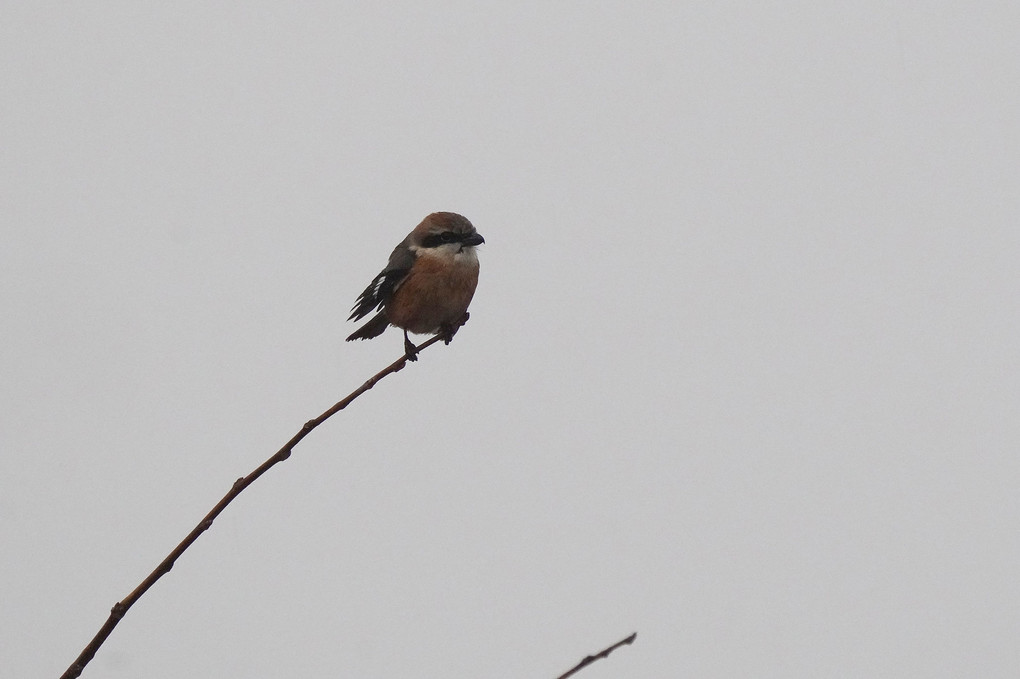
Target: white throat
x=454 y=253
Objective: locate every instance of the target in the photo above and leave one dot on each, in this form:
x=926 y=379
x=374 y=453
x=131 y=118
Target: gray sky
x=741 y=373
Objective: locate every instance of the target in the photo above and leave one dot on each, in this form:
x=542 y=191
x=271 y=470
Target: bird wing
x=385 y=284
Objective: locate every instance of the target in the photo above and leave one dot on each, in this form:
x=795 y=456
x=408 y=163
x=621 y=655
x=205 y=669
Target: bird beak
x=473 y=239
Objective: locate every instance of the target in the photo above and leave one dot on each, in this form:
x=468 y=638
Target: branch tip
x=604 y=653
x=121 y=607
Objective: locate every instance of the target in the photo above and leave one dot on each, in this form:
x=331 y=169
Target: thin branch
x=121 y=607
x=604 y=653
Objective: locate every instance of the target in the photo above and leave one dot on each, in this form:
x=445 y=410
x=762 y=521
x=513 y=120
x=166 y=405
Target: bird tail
x=373 y=328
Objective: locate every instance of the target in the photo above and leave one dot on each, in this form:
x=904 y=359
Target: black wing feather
x=385 y=284
x=376 y=294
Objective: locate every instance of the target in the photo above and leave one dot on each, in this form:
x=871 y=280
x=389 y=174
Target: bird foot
x=448 y=330
x=410 y=350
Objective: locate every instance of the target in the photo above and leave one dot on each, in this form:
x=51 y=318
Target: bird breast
x=437 y=290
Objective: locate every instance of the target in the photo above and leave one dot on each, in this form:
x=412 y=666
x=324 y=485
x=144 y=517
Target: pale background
x=741 y=374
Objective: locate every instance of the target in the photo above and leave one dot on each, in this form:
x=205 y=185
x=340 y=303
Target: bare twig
x=604 y=653
x=121 y=607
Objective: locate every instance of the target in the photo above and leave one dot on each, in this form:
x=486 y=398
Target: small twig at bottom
x=604 y=653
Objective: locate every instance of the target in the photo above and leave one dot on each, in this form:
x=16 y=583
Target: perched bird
x=427 y=285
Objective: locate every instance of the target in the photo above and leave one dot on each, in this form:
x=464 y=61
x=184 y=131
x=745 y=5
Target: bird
x=427 y=284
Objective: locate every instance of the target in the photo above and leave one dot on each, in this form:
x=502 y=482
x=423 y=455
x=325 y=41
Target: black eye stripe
x=436 y=239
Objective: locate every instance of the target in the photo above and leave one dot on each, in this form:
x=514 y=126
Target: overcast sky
x=741 y=373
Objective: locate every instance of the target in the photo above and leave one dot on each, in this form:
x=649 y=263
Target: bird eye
x=434 y=240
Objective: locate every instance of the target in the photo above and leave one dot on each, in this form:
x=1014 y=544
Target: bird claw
x=448 y=330
x=410 y=350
